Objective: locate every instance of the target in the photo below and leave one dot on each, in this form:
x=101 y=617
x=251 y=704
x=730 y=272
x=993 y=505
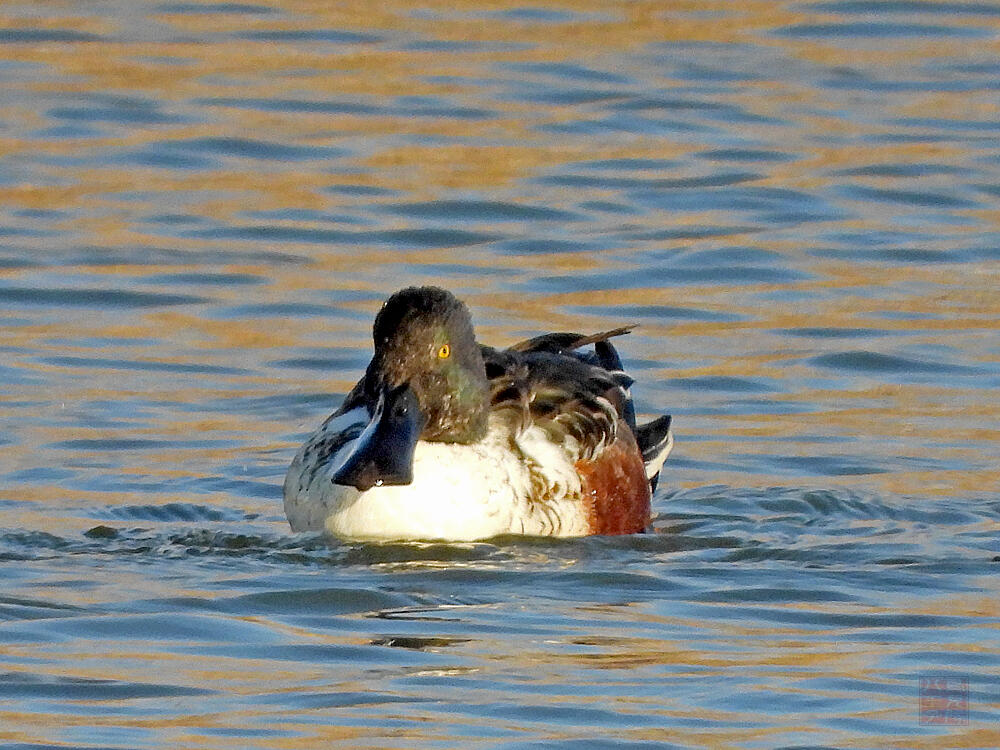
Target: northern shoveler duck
x=445 y=438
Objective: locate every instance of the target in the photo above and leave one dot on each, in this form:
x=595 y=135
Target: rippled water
x=202 y=206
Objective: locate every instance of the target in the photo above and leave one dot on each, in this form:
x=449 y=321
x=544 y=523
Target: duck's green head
x=426 y=381
x=424 y=340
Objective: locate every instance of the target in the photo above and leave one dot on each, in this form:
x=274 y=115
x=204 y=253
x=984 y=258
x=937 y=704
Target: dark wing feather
x=566 y=395
x=603 y=356
x=565 y=343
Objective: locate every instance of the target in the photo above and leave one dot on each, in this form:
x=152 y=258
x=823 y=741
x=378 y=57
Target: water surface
x=203 y=204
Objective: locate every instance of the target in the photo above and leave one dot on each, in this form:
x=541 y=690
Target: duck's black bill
x=383 y=453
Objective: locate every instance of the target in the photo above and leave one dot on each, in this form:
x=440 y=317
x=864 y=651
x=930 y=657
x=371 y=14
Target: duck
x=444 y=438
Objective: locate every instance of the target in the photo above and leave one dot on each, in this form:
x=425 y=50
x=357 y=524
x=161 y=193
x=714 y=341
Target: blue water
x=202 y=206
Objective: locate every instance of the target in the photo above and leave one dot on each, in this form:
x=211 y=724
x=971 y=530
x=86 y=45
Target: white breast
x=459 y=492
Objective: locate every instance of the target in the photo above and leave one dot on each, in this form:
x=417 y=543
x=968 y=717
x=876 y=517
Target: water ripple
x=214 y=8
x=21 y=686
x=51 y=36
x=877 y=30
x=931 y=7
x=94 y=298
x=331 y=36
x=485 y=211
x=873 y=363
x=194 y=153
x=117 y=109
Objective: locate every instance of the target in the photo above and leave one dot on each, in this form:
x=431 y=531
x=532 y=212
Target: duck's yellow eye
x=444 y=352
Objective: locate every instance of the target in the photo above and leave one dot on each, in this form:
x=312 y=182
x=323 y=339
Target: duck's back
x=579 y=400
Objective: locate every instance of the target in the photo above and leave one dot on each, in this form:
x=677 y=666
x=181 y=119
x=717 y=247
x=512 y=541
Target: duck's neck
x=462 y=416
x=454 y=400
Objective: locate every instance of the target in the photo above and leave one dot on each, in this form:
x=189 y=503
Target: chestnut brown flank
x=616 y=487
